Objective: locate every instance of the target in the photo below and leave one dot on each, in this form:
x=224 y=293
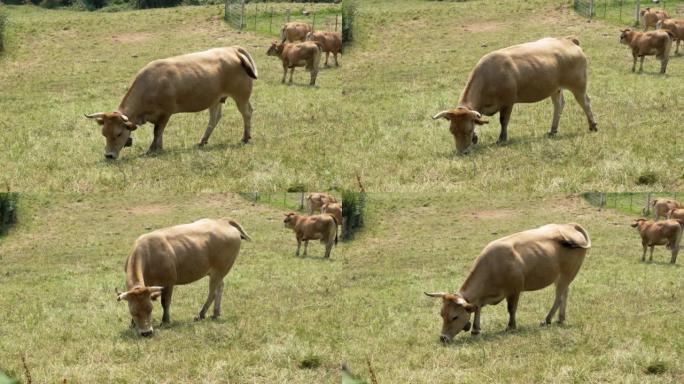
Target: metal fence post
x=270 y=25
x=647 y=210
x=242 y=14
x=637 y=13
x=287 y=15
x=256 y=11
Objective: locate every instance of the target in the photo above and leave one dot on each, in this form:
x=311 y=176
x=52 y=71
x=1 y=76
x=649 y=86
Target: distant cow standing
x=651 y=16
x=179 y=255
x=294 y=31
x=334 y=209
x=525 y=73
x=661 y=207
x=330 y=42
x=317 y=227
x=525 y=261
x=187 y=83
x=307 y=54
x=316 y=200
x=666 y=232
x=642 y=44
x=676 y=28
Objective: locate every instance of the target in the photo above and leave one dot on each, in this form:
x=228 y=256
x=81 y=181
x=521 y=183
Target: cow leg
x=563 y=305
x=643 y=257
x=327 y=54
x=650 y=257
x=585 y=102
x=328 y=248
x=634 y=63
x=306 y=245
x=314 y=74
x=663 y=63
x=214 y=117
x=476 y=322
x=337 y=64
x=284 y=73
x=157 y=141
x=245 y=108
x=299 y=244
x=512 y=304
x=214 y=280
x=560 y=287
x=641 y=64
x=558 y=104
x=217 y=300
x=677 y=49
x=166 y=303
x=504 y=118
x=675 y=251
x=291 y=73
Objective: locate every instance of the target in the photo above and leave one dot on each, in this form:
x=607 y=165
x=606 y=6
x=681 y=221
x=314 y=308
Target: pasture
x=288 y=319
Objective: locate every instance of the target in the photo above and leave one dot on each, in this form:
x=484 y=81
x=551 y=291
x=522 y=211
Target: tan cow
x=662 y=206
x=676 y=28
x=306 y=54
x=179 y=255
x=330 y=42
x=676 y=214
x=317 y=227
x=666 y=232
x=334 y=209
x=651 y=16
x=187 y=83
x=658 y=43
x=294 y=31
x=525 y=261
x=316 y=200
x=525 y=73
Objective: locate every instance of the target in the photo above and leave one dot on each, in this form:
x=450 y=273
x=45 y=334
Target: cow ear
x=470 y=308
x=480 y=122
x=130 y=126
x=155 y=295
x=122 y=296
x=99 y=120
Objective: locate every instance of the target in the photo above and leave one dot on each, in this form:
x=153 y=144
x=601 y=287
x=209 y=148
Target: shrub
x=348 y=13
x=647 y=178
x=8 y=210
x=353 y=205
x=3 y=23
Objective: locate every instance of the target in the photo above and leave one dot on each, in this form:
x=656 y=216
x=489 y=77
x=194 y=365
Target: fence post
x=604 y=8
x=287 y=15
x=270 y=25
x=313 y=23
x=647 y=211
x=256 y=11
x=301 y=201
x=630 y=201
x=637 y=13
x=242 y=14
x=591 y=9
x=336 y=23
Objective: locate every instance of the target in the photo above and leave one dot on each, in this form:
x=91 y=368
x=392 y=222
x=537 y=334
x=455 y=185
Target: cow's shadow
x=320 y=258
x=494 y=335
x=132 y=335
x=659 y=262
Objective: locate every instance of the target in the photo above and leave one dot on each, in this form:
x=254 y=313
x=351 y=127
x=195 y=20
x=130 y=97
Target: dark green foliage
x=297 y=187
x=353 y=205
x=310 y=361
x=3 y=23
x=8 y=210
x=647 y=178
x=348 y=13
x=656 y=368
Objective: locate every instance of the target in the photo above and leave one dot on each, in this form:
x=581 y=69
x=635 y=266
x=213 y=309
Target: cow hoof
x=199 y=318
x=202 y=144
x=510 y=329
x=551 y=134
x=543 y=323
x=214 y=317
x=475 y=333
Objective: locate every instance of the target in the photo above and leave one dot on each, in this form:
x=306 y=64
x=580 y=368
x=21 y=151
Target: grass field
x=416 y=56
x=62 y=64
x=282 y=312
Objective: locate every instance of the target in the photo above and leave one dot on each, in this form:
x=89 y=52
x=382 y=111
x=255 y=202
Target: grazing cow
x=294 y=31
x=525 y=261
x=676 y=28
x=658 y=43
x=179 y=255
x=306 y=54
x=662 y=206
x=525 y=73
x=316 y=200
x=334 y=209
x=187 y=83
x=650 y=17
x=330 y=42
x=666 y=232
x=676 y=214
x=317 y=227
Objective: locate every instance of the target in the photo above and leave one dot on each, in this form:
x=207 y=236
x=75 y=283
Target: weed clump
x=647 y=178
x=656 y=368
x=310 y=361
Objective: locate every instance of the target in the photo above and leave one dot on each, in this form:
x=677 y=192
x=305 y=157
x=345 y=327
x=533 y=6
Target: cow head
x=116 y=128
x=625 y=35
x=463 y=121
x=290 y=220
x=455 y=315
x=276 y=49
x=140 y=305
x=637 y=223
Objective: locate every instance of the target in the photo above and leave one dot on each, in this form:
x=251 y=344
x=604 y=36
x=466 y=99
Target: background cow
x=525 y=73
x=666 y=232
x=307 y=54
x=294 y=31
x=651 y=16
x=317 y=227
x=187 y=83
x=330 y=42
x=658 y=43
x=525 y=261
x=334 y=209
x=661 y=206
x=179 y=255
x=676 y=28
x=316 y=200
x=676 y=213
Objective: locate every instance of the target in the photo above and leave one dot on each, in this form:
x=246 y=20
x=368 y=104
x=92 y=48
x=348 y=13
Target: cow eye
x=454 y=319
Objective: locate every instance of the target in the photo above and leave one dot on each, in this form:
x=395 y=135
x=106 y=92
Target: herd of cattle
x=204 y=81
x=185 y=253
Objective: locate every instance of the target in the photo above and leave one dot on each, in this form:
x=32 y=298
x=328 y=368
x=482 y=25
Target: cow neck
x=471 y=289
x=129 y=102
x=134 y=274
x=470 y=95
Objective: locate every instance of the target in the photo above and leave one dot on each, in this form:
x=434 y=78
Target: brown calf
x=666 y=232
x=334 y=209
x=316 y=200
x=330 y=42
x=658 y=43
x=662 y=206
x=317 y=227
x=306 y=54
x=651 y=16
x=294 y=31
x=676 y=214
x=676 y=27
x=525 y=261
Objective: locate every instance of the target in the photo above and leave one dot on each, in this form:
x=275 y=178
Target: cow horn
x=442 y=114
x=120 y=296
x=94 y=115
x=155 y=289
x=124 y=117
x=477 y=114
x=435 y=294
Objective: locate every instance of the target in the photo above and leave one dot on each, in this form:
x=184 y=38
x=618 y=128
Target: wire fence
x=624 y=11
x=268 y=17
x=636 y=203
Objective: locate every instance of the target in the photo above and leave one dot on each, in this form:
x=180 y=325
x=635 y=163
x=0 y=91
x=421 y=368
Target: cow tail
x=247 y=63
x=569 y=242
x=243 y=234
x=336 y=224
x=574 y=40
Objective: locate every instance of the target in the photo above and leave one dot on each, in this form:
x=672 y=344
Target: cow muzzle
x=111 y=156
x=467 y=327
x=146 y=333
x=129 y=142
x=444 y=339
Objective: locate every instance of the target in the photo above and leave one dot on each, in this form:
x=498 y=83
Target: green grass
x=416 y=56
x=58 y=66
x=288 y=319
